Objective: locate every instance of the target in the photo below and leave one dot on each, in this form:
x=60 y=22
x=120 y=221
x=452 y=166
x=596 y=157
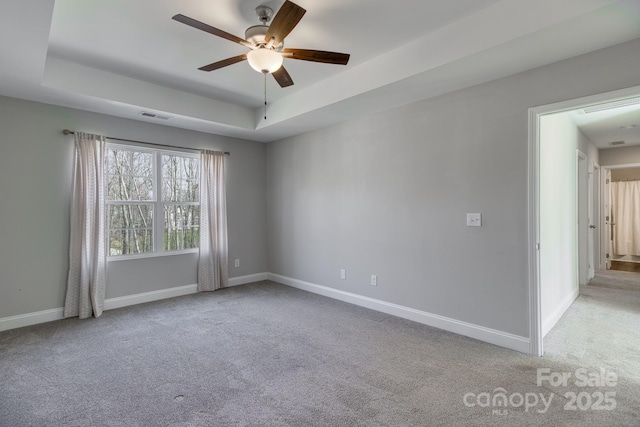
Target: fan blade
x=209 y=29
x=285 y=20
x=317 y=56
x=223 y=63
x=282 y=77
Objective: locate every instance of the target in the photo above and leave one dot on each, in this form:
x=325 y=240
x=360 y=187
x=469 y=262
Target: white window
x=153 y=201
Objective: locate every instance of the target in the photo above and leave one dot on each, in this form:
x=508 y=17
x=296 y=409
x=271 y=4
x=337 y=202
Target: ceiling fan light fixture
x=264 y=60
x=267 y=43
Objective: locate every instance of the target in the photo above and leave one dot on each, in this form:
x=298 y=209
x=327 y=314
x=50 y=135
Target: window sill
x=151 y=255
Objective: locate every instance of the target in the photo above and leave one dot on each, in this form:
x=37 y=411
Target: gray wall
x=35 y=190
x=559 y=256
x=388 y=194
x=620 y=155
x=626 y=173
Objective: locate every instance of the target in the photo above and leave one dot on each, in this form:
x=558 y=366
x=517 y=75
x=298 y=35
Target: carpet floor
x=265 y=354
x=616 y=279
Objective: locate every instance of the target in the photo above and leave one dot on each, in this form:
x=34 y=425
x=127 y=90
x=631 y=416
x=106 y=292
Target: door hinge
x=607 y=256
x=607 y=181
x=606 y=218
x=538 y=246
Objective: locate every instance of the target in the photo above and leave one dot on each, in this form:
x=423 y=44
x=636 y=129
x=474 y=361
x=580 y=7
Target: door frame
x=603 y=208
x=533 y=196
x=582 y=200
x=594 y=218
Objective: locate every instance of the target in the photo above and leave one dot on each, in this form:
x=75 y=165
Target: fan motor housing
x=255 y=36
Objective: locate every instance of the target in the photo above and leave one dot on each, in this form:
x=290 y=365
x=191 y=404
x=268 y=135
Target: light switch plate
x=474 y=220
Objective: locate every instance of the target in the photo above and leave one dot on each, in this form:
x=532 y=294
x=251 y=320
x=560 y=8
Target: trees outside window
x=181 y=202
x=153 y=200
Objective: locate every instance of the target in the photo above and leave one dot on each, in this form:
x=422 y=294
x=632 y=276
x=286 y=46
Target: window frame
x=157 y=202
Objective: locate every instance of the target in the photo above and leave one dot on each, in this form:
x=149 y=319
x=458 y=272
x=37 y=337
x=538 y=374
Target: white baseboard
x=492 y=336
x=34 y=318
x=28 y=319
x=127 y=300
x=550 y=322
x=250 y=278
x=481 y=333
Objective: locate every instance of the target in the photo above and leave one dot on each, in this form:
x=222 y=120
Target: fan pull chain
x=265 y=96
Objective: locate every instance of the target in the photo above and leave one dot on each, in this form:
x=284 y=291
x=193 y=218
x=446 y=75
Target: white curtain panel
x=626 y=214
x=213 y=262
x=87 y=246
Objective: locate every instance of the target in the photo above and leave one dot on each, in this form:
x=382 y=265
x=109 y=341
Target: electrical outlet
x=374 y=280
x=343 y=274
x=237 y=263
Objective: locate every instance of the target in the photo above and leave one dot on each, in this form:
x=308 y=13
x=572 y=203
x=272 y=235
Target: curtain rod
x=70 y=132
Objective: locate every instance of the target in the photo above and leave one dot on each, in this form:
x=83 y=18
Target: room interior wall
x=562 y=245
x=625 y=173
x=588 y=147
x=388 y=194
x=620 y=155
x=35 y=189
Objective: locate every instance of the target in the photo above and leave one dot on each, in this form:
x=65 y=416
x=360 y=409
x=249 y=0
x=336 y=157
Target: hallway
x=600 y=329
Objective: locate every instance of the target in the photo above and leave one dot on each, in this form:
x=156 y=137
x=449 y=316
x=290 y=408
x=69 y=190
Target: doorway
x=557 y=233
x=587 y=209
x=582 y=218
x=622 y=217
x=594 y=233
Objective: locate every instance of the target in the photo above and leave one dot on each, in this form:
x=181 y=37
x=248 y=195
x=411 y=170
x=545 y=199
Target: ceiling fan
x=266 y=43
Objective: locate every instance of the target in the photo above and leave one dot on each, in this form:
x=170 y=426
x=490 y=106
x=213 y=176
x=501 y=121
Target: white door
x=591 y=221
x=607 y=220
x=582 y=217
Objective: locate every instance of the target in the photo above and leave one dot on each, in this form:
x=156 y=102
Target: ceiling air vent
x=616 y=143
x=610 y=105
x=154 y=116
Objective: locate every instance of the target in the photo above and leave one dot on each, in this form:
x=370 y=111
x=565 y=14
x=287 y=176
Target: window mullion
x=158 y=207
